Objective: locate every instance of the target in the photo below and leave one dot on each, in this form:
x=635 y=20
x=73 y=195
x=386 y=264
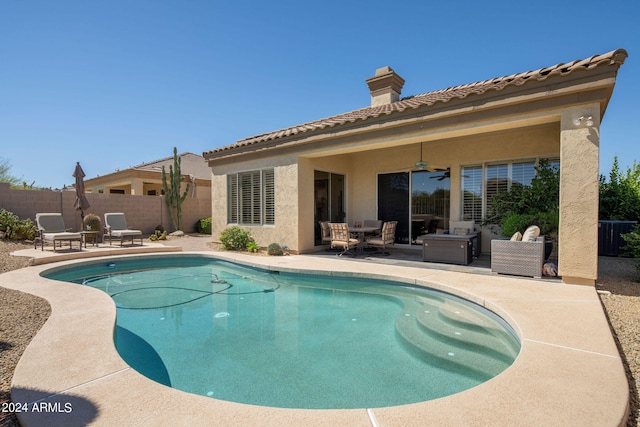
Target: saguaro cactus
x=172 y=190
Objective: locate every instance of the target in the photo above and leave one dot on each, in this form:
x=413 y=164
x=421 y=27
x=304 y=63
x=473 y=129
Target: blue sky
x=112 y=84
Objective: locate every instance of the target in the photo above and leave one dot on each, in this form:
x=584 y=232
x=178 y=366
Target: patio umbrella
x=81 y=202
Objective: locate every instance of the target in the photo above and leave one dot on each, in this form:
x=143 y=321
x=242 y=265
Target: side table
x=93 y=238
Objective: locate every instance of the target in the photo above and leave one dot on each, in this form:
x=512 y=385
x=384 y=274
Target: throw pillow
x=460 y=231
x=531 y=234
x=517 y=236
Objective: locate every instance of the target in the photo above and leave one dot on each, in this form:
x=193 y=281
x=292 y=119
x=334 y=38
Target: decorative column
x=579 y=195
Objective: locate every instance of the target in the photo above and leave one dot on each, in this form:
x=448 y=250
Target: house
x=370 y=163
x=146 y=179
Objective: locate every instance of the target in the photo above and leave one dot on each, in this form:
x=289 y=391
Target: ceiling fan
x=445 y=175
x=422 y=165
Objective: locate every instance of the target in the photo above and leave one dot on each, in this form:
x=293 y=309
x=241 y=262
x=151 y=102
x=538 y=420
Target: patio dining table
x=361 y=231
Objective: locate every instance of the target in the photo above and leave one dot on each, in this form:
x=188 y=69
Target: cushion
x=517 y=236
x=469 y=225
x=460 y=231
x=531 y=234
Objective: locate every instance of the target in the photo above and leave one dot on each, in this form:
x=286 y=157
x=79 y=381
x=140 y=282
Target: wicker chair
x=518 y=258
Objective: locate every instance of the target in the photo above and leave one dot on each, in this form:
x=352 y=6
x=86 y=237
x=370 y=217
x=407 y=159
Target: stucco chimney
x=385 y=86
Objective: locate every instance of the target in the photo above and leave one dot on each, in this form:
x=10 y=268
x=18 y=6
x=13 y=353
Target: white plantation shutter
x=269 y=196
x=472 y=193
x=251 y=198
x=497 y=181
x=233 y=201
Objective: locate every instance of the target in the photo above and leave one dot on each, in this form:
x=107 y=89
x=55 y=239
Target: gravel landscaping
x=22 y=315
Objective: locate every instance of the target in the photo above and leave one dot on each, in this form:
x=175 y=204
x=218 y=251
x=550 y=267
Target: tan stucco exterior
x=146 y=179
x=519 y=122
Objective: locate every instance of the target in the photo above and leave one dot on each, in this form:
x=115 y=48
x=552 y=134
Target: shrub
x=253 y=246
x=632 y=247
x=235 y=238
x=275 y=249
x=158 y=235
x=515 y=222
x=203 y=226
x=539 y=203
x=13 y=228
x=92 y=222
x=620 y=197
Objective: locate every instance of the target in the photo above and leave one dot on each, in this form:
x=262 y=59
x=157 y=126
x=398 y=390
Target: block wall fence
x=142 y=212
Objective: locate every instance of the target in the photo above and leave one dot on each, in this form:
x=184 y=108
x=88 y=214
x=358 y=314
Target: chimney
x=385 y=86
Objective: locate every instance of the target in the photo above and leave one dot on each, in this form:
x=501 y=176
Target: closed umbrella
x=81 y=202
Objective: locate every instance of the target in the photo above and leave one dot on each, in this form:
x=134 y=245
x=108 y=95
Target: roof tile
x=427 y=99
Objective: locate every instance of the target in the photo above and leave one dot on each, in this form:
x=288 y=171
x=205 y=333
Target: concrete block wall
x=142 y=212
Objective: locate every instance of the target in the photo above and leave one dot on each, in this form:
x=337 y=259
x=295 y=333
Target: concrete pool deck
x=569 y=371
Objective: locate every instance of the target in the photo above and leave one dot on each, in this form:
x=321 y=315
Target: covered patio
x=472 y=139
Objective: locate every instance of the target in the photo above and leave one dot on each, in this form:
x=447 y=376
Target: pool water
x=288 y=340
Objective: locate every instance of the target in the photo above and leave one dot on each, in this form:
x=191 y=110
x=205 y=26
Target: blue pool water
x=253 y=336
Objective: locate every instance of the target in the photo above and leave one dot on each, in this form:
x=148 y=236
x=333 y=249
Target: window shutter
x=523 y=173
x=497 y=182
x=269 y=196
x=232 y=202
x=472 y=193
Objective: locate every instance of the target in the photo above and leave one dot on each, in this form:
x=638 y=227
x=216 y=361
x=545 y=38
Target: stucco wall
x=142 y=212
x=285 y=229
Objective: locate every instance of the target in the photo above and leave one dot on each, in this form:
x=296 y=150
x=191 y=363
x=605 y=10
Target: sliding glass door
x=328 y=199
x=418 y=200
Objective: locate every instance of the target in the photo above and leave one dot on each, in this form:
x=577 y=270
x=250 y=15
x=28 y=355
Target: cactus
x=172 y=190
x=92 y=222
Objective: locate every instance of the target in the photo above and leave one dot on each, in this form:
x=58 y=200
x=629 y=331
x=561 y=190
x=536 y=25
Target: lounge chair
x=51 y=227
x=340 y=238
x=116 y=227
x=386 y=238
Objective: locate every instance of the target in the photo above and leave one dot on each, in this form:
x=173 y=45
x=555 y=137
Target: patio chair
x=386 y=238
x=325 y=232
x=116 y=226
x=51 y=227
x=340 y=238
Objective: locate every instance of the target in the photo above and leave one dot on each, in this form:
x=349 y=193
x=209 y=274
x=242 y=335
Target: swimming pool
x=256 y=336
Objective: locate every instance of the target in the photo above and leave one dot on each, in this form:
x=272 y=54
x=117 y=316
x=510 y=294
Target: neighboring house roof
x=428 y=99
x=190 y=164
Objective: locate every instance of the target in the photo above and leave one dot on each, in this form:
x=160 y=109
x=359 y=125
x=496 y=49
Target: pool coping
x=569 y=371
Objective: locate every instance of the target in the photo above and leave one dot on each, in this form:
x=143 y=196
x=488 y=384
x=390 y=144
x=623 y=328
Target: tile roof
x=427 y=99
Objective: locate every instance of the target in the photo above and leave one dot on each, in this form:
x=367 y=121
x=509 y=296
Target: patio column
x=579 y=186
x=137 y=186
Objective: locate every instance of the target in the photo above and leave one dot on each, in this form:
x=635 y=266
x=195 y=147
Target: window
x=472 y=193
x=498 y=178
x=251 y=198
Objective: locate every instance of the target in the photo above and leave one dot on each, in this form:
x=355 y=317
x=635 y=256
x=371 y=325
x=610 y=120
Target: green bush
x=515 y=222
x=253 y=246
x=620 y=197
x=92 y=222
x=235 y=238
x=632 y=247
x=203 y=226
x=13 y=228
x=275 y=249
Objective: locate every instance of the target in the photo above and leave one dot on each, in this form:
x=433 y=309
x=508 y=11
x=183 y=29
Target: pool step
x=456 y=353
x=468 y=330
